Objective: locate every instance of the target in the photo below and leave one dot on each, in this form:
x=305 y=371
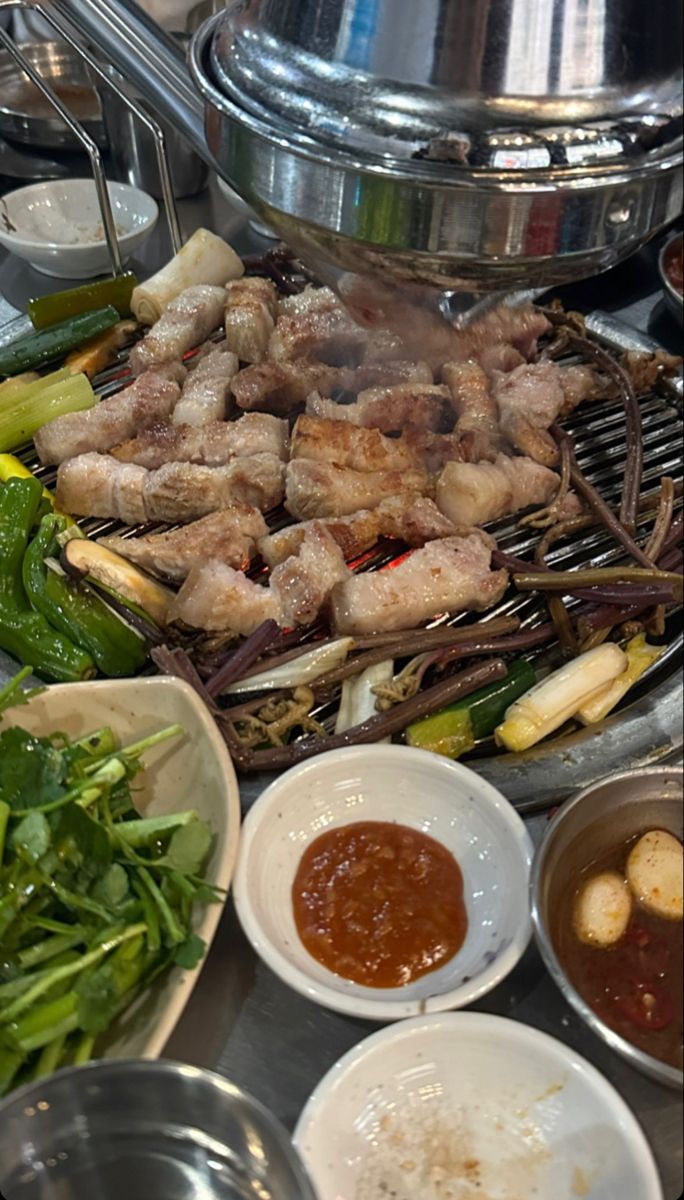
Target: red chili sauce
x=673 y=264
x=635 y=986
x=379 y=904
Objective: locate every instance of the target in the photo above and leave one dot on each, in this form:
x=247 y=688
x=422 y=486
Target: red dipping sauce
x=379 y=904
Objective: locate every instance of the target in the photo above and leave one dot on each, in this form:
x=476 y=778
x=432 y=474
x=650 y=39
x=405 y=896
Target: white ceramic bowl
x=491 y=1107
x=191 y=772
x=415 y=788
x=57 y=225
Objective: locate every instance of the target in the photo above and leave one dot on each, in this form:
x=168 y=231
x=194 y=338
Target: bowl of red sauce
x=607 y=908
x=385 y=882
x=671 y=267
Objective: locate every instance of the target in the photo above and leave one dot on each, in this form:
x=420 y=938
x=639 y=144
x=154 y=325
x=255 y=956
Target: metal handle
x=78 y=131
x=147 y=56
x=65 y=31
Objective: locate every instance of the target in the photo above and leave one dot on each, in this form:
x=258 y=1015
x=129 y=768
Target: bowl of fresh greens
x=119 y=826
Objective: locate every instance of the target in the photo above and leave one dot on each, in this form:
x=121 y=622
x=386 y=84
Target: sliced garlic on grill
x=655 y=870
x=603 y=909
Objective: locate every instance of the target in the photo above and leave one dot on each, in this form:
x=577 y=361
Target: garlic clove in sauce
x=655 y=871
x=602 y=910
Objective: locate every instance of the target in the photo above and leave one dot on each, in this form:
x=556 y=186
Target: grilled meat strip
x=316 y=489
x=150 y=398
x=529 y=399
x=475 y=493
x=213 y=445
x=303 y=583
x=100 y=486
x=349 y=445
x=226 y=536
x=218 y=598
x=447 y=576
x=282 y=387
x=188 y=320
x=392 y=409
x=315 y=324
x=411 y=519
x=250 y=317
x=207 y=388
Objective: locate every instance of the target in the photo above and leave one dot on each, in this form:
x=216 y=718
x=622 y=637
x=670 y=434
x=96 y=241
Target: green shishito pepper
x=75 y=610
x=455 y=730
x=24 y=633
x=59 y=306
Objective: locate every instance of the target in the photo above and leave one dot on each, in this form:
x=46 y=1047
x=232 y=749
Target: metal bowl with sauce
x=27 y=116
x=605 y=815
x=674 y=297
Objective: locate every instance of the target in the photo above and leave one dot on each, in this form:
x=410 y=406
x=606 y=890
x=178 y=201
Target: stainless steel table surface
x=241 y=1020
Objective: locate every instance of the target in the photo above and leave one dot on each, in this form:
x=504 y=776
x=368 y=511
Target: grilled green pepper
x=25 y=633
x=455 y=729
x=75 y=610
x=117 y=291
x=40 y=348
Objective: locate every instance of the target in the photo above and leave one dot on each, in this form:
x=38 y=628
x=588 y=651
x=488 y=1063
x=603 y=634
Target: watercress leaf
x=112 y=888
x=83 y=841
x=189 y=847
x=33 y=836
x=98 y=996
x=190 y=952
x=32 y=771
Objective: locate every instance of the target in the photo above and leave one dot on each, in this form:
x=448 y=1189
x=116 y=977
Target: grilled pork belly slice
x=410 y=518
x=476 y=493
x=475 y=406
x=349 y=445
x=303 y=583
x=207 y=389
x=518 y=326
x=315 y=324
x=392 y=409
x=579 y=383
x=98 y=485
x=213 y=445
x=187 y=321
x=250 y=317
x=279 y=388
x=227 y=536
x=149 y=399
x=316 y=490
x=218 y=598
x=447 y=576
x=529 y=399
x=185 y=491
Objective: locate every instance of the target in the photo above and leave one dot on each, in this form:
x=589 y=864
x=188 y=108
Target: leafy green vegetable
x=12 y=694
x=95 y=901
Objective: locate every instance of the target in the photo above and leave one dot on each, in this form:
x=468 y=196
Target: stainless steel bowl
x=586 y=826
x=673 y=298
x=140 y=1130
x=26 y=115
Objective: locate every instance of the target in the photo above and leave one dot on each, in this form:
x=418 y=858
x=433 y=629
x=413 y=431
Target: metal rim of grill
x=647 y=727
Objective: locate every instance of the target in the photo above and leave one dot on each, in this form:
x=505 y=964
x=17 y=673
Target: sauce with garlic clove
x=380 y=904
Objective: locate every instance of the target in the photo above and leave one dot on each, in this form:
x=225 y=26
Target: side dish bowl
x=474 y=1100
x=443 y=799
x=192 y=772
x=673 y=297
x=56 y=226
x=605 y=814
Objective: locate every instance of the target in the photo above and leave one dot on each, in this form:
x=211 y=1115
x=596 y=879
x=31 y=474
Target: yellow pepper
x=12 y=468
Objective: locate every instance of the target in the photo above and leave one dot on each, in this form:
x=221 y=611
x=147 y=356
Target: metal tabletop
x=241 y=1020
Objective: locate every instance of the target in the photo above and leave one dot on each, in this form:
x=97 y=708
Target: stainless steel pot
x=484 y=145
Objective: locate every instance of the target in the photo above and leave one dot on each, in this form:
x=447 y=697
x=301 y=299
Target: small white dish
x=465 y=1105
x=56 y=226
x=443 y=799
x=194 y=771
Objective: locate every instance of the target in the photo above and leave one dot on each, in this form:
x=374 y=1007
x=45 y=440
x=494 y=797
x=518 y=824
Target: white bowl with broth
x=57 y=226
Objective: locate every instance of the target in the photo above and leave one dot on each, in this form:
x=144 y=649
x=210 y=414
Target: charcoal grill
x=648 y=728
